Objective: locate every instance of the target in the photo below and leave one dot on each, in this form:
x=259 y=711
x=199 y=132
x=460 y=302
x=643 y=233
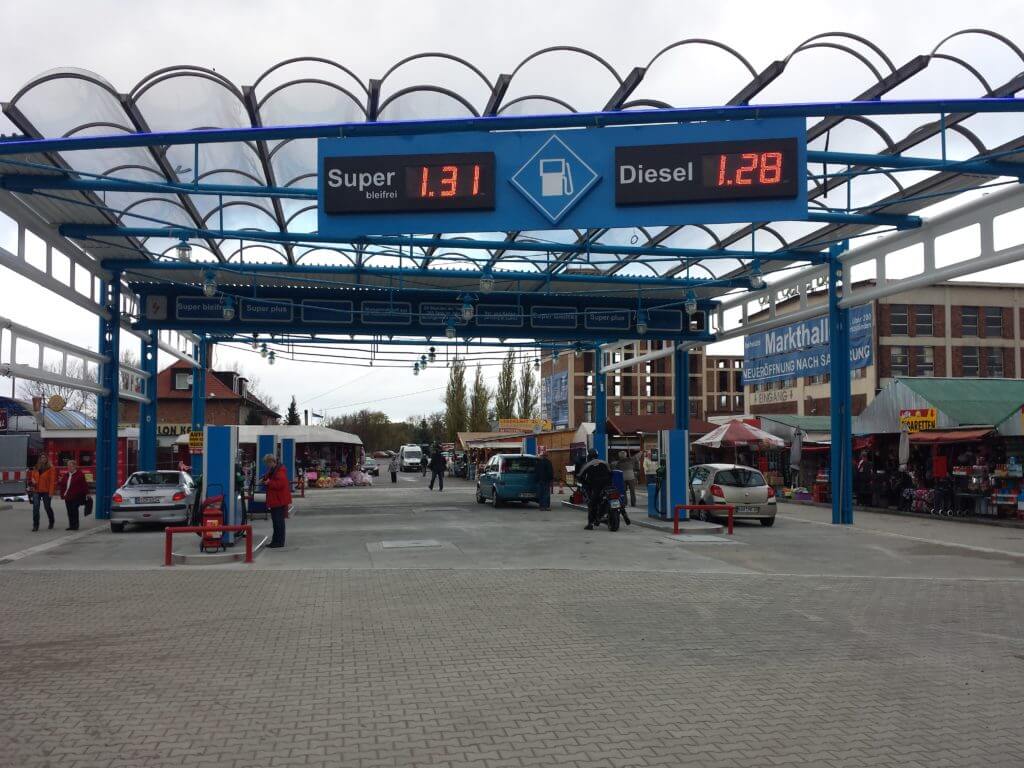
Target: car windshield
x=520 y=463
x=740 y=477
x=154 y=478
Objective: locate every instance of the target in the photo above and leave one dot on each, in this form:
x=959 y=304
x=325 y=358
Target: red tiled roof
x=215 y=388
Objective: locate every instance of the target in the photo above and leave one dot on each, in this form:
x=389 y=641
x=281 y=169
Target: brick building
x=646 y=389
x=956 y=329
x=228 y=401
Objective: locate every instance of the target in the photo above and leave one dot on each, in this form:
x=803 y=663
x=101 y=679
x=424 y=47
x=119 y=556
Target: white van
x=409 y=458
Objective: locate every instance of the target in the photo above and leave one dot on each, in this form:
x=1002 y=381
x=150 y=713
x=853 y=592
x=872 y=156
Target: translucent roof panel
x=832 y=66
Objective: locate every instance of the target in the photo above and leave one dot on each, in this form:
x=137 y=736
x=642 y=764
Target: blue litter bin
x=652 y=500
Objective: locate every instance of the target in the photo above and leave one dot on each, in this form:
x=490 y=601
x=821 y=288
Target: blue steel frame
x=148 y=356
x=842 y=429
x=107 y=405
x=600 y=407
x=199 y=396
x=107 y=421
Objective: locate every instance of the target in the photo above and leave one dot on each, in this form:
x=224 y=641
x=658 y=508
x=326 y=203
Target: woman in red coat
x=74 y=491
x=279 y=496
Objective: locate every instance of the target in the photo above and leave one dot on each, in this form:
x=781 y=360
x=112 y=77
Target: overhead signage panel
x=390 y=183
x=566 y=318
x=736 y=171
x=699 y=172
x=327 y=311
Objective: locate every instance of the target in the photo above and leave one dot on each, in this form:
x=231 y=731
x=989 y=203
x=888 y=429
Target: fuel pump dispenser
x=674 y=450
x=219 y=457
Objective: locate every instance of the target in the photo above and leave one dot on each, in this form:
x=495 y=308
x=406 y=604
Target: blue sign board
x=628 y=176
x=559 y=317
x=801 y=349
x=554 y=399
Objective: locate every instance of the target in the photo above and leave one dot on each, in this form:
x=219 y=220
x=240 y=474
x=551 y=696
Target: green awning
x=970 y=401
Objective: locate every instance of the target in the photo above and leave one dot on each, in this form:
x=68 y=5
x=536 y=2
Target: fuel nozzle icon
x=555 y=178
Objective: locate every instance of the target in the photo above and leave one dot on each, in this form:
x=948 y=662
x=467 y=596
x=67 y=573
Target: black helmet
x=591 y=454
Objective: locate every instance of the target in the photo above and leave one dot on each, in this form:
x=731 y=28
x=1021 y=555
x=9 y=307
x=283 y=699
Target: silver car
x=743 y=487
x=164 y=496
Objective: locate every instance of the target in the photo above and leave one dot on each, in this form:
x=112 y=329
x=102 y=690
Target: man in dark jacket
x=437 y=467
x=74 y=491
x=595 y=476
x=545 y=474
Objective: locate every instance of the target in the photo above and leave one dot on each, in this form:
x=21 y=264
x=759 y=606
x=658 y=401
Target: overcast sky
x=123 y=41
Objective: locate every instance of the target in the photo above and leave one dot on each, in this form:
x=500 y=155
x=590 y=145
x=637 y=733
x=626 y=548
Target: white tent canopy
x=247 y=434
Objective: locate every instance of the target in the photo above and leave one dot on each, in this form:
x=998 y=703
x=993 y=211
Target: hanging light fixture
x=255 y=342
x=578 y=349
x=263 y=349
x=554 y=355
x=432 y=354
x=756 y=279
x=271 y=357
x=229 y=308
x=449 y=328
x=641 y=322
x=423 y=361
x=690 y=305
x=184 y=250
x=209 y=284
x=467 y=308
x=486 y=282
x=536 y=363
x=415 y=369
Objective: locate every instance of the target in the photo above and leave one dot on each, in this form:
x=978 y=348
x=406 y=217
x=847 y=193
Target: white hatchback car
x=164 y=496
x=743 y=487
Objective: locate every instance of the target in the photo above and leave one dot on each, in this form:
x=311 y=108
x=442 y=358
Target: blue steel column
x=842 y=427
x=600 y=407
x=147 y=411
x=681 y=407
x=107 y=405
x=199 y=398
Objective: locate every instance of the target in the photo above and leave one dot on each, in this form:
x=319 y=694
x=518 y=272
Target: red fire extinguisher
x=212 y=517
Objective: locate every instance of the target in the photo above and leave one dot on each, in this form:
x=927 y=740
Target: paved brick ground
x=507 y=668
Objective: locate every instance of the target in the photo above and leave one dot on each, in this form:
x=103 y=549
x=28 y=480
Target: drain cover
x=410 y=544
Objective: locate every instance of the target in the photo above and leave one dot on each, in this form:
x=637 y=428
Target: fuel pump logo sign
x=554 y=179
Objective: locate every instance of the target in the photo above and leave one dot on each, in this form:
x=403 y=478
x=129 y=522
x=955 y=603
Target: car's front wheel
x=767 y=522
x=117 y=527
x=496 y=500
x=479 y=496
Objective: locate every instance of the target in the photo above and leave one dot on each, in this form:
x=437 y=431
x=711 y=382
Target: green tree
x=479 y=403
x=527 y=392
x=292 y=418
x=375 y=429
x=505 y=395
x=456 y=405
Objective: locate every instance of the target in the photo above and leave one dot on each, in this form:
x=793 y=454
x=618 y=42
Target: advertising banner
x=524 y=425
x=554 y=398
x=916 y=419
x=802 y=349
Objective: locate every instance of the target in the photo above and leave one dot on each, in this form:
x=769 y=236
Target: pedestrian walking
x=43 y=482
x=393 y=469
x=437 y=468
x=279 y=496
x=545 y=474
x=627 y=465
x=74 y=491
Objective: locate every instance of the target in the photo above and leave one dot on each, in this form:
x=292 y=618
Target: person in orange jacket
x=42 y=480
x=279 y=496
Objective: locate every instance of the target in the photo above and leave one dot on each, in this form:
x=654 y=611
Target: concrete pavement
x=401 y=627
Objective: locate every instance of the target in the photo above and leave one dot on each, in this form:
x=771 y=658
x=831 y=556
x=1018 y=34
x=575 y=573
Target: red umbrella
x=737 y=434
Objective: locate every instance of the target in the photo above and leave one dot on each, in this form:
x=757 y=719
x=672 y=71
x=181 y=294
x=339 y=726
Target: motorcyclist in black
x=594 y=476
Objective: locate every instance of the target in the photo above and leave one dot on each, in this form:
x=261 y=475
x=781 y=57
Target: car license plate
x=525 y=495
x=147 y=499
x=746 y=510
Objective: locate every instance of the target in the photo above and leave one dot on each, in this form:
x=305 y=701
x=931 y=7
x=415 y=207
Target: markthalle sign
x=802 y=349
